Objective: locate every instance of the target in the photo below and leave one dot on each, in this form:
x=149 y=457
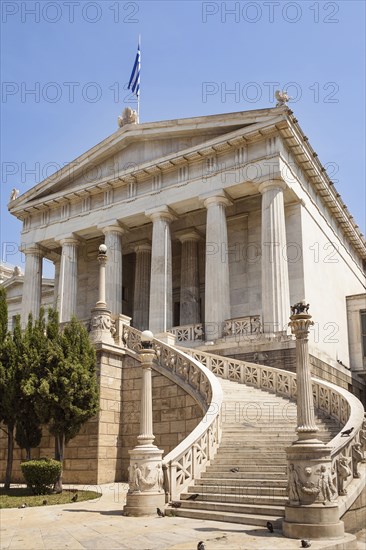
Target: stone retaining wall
x=99 y=453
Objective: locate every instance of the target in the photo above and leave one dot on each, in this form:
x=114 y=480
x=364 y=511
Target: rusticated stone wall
x=99 y=453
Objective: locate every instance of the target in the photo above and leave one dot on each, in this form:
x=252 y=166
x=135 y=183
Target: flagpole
x=165 y=276
x=138 y=97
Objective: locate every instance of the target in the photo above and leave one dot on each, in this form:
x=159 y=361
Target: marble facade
x=207 y=220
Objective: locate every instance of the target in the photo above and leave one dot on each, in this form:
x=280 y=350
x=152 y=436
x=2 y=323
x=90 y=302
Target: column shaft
x=141 y=298
x=56 y=300
x=32 y=288
x=113 y=274
x=146 y=421
x=68 y=279
x=305 y=403
x=217 y=290
x=161 y=300
x=189 y=285
x=275 y=283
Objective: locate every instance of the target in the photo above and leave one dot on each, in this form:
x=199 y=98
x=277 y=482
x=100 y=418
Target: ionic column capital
x=161 y=213
x=214 y=198
x=271 y=184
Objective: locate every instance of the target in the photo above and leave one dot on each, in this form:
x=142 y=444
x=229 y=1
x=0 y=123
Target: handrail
x=187 y=461
x=329 y=398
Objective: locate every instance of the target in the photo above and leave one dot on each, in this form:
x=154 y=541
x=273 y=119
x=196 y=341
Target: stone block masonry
x=99 y=453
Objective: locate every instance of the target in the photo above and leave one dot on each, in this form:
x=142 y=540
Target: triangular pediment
x=136 y=145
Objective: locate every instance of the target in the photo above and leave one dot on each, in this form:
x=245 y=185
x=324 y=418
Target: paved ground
x=98 y=524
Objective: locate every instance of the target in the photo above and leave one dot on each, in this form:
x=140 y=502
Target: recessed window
x=363 y=332
x=125 y=294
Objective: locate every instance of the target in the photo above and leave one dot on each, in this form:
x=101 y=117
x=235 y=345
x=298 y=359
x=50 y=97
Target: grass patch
x=15 y=497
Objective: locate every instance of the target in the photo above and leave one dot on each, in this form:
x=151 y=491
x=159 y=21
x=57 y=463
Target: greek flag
x=134 y=83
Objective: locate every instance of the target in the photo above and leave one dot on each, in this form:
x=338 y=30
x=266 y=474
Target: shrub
x=41 y=475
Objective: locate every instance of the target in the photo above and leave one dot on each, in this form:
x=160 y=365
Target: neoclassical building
x=214 y=225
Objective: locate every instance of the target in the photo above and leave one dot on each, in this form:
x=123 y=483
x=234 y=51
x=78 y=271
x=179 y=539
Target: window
x=363 y=332
x=125 y=294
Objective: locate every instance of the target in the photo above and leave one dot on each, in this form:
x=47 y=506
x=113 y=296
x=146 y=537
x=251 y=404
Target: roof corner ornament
x=129 y=116
x=282 y=98
x=14 y=194
x=17 y=271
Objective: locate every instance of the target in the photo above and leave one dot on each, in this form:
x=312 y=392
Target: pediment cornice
x=253 y=126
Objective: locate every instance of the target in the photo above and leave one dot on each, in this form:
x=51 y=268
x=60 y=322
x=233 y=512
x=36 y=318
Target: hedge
x=41 y=475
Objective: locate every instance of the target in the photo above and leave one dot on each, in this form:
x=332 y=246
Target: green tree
x=34 y=351
x=10 y=347
x=68 y=390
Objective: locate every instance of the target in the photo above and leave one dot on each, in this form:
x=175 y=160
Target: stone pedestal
x=146 y=478
x=312 y=510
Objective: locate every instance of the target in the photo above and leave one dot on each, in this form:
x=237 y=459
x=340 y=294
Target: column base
x=143 y=504
x=166 y=337
x=312 y=522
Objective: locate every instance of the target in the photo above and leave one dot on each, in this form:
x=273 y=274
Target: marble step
x=248 y=483
x=246 y=475
x=239 y=489
x=238 y=499
x=231 y=517
x=200 y=504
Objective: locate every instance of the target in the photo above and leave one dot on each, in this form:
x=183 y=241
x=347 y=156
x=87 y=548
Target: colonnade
x=153 y=293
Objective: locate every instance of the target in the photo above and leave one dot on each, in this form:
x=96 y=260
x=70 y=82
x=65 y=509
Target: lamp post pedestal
x=146 y=477
x=312 y=509
x=102 y=326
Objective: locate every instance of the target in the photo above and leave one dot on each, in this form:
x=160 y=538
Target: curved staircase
x=249 y=419
x=257 y=426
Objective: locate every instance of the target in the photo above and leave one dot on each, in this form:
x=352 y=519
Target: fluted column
x=217 y=290
x=68 y=278
x=146 y=436
x=161 y=300
x=32 y=288
x=275 y=283
x=56 y=298
x=189 y=282
x=141 y=297
x=113 y=241
x=300 y=323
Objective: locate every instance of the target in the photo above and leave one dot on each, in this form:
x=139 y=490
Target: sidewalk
x=98 y=524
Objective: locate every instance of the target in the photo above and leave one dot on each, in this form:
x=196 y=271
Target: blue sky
x=77 y=56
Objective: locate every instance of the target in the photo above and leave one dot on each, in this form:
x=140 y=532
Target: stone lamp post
x=312 y=510
x=102 y=327
x=146 y=478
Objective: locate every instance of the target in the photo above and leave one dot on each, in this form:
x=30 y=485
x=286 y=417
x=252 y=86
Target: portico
x=198 y=217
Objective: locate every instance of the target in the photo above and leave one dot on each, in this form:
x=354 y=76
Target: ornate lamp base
x=146 y=480
x=312 y=511
x=102 y=325
x=314 y=521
